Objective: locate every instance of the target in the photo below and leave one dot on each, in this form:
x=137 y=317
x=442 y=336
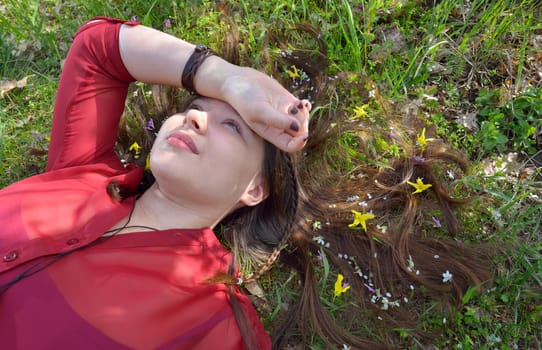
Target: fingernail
x=293 y=110
x=294 y=126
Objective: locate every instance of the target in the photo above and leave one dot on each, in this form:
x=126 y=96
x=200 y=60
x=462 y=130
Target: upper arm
x=90 y=98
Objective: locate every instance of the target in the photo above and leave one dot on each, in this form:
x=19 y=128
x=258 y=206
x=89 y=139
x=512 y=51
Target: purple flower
x=149 y=125
x=134 y=18
x=418 y=159
x=167 y=23
x=436 y=221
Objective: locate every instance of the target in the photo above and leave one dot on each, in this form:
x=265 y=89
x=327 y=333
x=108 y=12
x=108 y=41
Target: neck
x=155 y=209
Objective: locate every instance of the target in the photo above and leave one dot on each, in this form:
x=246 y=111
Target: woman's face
x=209 y=156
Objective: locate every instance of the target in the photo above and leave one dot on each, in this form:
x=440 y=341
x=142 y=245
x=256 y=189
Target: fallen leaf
x=7 y=85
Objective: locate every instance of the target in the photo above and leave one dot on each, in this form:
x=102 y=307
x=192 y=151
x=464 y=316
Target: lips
x=181 y=140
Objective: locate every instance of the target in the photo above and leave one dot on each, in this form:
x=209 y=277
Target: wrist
x=196 y=59
x=212 y=77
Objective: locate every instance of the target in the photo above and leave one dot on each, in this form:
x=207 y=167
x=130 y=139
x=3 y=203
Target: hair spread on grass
x=411 y=247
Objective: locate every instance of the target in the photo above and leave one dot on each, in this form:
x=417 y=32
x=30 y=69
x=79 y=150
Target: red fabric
x=142 y=290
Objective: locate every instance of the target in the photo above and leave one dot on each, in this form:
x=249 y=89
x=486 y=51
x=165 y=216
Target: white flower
x=410 y=267
x=352 y=198
x=320 y=240
x=446 y=277
x=346 y=347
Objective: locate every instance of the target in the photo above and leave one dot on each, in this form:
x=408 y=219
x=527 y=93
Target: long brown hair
x=313 y=195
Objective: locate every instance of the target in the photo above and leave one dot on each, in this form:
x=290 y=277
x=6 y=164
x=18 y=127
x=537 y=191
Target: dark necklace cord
x=42 y=265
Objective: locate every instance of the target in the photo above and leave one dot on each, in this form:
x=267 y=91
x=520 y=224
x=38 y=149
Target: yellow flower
x=293 y=73
x=339 y=287
x=359 y=112
x=135 y=147
x=148 y=162
x=361 y=219
x=422 y=141
x=419 y=186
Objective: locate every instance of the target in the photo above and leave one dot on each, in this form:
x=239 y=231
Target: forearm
x=155 y=57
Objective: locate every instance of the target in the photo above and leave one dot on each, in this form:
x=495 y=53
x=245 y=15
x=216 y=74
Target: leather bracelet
x=191 y=67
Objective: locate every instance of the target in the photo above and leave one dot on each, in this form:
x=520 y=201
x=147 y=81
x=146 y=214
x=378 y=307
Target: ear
x=256 y=192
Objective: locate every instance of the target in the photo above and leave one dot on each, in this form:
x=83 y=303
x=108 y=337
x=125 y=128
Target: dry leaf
x=7 y=85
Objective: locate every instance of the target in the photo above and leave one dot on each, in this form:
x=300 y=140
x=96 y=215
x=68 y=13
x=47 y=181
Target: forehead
x=211 y=103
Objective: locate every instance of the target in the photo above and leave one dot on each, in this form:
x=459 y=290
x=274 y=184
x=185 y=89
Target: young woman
x=93 y=257
x=145 y=289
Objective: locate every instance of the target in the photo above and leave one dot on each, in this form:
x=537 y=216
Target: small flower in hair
x=359 y=112
x=136 y=148
x=340 y=287
x=149 y=125
x=294 y=73
x=352 y=198
x=320 y=240
x=316 y=225
x=422 y=141
x=148 y=162
x=361 y=219
x=418 y=159
x=369 y=288
x=410 y=262
x=446 y=277
x=419 y=186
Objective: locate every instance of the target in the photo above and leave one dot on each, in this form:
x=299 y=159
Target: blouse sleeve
x=90 y=99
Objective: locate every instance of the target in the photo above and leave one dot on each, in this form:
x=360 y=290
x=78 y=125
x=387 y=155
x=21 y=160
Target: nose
x=197 y=120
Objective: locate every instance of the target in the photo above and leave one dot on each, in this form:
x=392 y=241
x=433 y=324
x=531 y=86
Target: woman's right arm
x=155 y=57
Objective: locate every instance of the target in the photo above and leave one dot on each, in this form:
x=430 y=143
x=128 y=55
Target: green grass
x=468 y=69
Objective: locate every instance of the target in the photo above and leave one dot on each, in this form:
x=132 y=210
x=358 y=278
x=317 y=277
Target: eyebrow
x=247 y=130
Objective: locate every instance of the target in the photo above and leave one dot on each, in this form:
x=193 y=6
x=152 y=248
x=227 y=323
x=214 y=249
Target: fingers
x=295 y=122
x=288 y=143
x=289 y=134
x=280 y=138
x=307 y=105
x=297 y=143
x=300 y=106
